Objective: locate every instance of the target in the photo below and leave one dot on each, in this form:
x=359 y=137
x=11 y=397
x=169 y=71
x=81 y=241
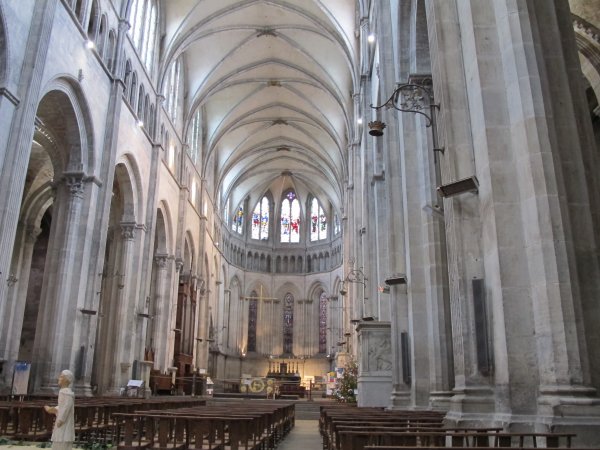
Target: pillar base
x=440 y=400
x=400 y=398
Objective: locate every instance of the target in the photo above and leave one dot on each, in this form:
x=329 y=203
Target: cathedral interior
x=232 y=188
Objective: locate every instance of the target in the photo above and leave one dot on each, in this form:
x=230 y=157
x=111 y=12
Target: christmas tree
x=344 y=392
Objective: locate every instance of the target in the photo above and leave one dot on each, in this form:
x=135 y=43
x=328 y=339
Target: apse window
x=260 y=220
x=290 y=218
x=318 y=222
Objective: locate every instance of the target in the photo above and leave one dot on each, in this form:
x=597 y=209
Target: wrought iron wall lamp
x=416 y=96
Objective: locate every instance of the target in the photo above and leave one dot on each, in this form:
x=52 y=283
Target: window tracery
x=290 y=218
x=323 y=323
x=260 y=220
x=237 y=222
x=143 y=17
x=318 y=222
x=288 y=324
x=252 y=321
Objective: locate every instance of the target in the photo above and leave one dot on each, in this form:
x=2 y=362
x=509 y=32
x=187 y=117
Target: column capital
x=160 y=260
x=75 y=183
x=128 y=230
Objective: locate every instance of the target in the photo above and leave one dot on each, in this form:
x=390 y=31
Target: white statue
x=63 y=434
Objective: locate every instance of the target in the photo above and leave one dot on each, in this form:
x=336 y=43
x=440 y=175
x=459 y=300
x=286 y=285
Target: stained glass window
x=323 y=323
x=336 y=225
x=288 y=324
x=195 y=137
x=237 y=221
x=143 y=17
x=260 y=220
x=252 y=322
x=290 y=218
x=171 y=91
x=318 y=222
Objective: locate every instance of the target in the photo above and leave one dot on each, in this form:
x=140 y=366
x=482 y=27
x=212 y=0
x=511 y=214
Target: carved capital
x=75 y=183
x=161 y=261
x=179 y=264
x=128 y=231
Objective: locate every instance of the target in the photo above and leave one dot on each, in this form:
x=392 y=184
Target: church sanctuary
x=247 y=215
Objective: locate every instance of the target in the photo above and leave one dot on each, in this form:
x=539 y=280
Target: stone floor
x=304 y=436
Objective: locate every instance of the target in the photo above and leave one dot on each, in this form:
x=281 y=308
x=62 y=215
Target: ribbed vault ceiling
x=274 y=81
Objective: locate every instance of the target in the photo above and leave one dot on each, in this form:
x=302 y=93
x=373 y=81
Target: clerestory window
x=290 y=218
x=260 y=220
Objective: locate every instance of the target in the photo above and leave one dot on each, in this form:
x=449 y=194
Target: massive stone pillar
x=124 y=334
x=162 y=311
x=13 y=163
x=12 y=315
x=55 y=331
x=524 y=321
x=462 y=213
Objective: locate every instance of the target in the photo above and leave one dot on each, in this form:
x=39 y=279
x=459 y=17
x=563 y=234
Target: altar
x=287 y=378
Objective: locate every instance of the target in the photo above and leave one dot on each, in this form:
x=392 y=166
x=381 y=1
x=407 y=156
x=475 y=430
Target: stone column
x=17 y=282
x=161 y=313
x=125 y=333
x=549 y=135
x=462 y=213
x=12 y=312
x=13 y=162
x=54 y=339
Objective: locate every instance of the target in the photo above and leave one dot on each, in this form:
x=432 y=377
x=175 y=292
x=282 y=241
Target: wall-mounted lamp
x=376 y=128
x=469 y=184
x=397 y=278
x=416 y=96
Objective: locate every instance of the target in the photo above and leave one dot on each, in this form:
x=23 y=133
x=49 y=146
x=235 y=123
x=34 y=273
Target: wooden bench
x=358 y=440
x=247 y=425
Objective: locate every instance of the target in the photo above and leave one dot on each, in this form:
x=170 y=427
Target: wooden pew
x=358 y=440
x=243 y=426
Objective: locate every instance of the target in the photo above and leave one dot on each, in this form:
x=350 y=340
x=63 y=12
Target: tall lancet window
x=288 y=324
x=337 y=227
x=290 y=218
x=323 y=323
x=143 y=18
x=237 y=221
x=260 y=220
x=252 y=321
x=318 y=222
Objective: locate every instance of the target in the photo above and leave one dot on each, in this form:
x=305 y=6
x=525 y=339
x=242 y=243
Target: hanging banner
x=20 y=377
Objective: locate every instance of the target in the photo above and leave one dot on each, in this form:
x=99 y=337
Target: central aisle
x=304 y=436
